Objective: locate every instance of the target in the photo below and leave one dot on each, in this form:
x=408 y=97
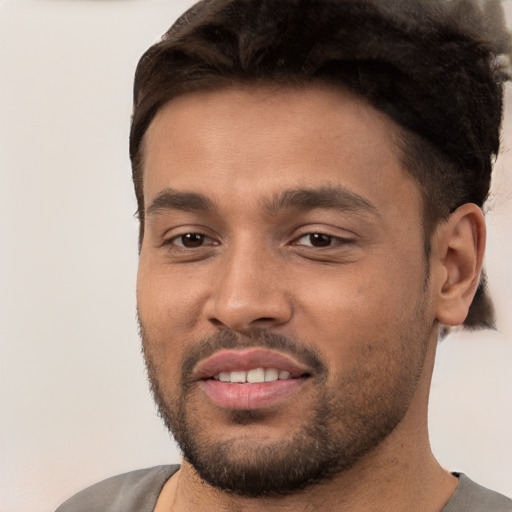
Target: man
x=310 y=177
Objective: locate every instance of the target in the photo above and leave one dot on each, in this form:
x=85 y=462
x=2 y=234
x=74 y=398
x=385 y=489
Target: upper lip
x=248 y=359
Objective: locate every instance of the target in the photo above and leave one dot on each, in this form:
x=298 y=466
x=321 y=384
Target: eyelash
x=182 y=246
x=333 y=240
x=330 y=239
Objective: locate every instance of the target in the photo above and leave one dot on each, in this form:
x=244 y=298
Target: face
x=282 y=290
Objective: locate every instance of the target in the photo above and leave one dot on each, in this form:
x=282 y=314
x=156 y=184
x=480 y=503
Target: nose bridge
x=248 y=289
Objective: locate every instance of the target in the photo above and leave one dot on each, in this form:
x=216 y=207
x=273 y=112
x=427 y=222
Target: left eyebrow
x=329 y=197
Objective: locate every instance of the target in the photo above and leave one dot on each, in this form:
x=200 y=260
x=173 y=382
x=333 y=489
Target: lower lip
x=249 y=396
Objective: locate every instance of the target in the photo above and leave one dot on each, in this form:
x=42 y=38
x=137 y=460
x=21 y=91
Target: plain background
x=74 y=405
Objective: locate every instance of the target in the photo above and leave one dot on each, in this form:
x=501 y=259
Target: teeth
x=271 y=374
x=255 y=376
x=225 y=377
x=238 y=377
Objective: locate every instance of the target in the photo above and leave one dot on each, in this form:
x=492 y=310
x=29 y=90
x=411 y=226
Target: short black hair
x=433 y=66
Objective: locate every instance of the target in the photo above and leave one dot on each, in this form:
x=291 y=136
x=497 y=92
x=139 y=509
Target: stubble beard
x=348 y=421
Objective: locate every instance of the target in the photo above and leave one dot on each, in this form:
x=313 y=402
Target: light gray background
x=74 y=405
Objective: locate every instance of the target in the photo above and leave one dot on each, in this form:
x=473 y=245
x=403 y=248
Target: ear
x=457 y=259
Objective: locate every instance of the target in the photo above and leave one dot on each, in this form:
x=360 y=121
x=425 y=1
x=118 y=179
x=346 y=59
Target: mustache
x=226 y=338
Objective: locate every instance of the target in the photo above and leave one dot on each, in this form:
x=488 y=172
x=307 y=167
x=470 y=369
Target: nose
x=249 y=291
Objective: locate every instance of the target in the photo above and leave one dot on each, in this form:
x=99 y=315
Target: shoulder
x=135 y=491
x=471 y=497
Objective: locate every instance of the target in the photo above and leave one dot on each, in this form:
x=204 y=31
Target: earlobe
x=458 y=258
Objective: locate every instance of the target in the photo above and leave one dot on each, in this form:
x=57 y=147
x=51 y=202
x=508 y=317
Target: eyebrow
x=170 y=199
x=330 y=197
x=300 y=200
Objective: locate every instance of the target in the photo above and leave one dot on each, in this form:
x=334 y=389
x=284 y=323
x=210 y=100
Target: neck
x=401 y=474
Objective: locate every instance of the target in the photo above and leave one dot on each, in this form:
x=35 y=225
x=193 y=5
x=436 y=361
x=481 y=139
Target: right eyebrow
x=170 y=199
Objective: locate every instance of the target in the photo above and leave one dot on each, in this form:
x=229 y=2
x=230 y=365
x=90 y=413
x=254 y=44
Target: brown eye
x=319 y=240
x=322 y=240
x=190 y=240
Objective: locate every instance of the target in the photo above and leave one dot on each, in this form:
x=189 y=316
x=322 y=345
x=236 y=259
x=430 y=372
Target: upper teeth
x=253 y=376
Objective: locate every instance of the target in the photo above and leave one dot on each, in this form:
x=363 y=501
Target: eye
x=321 y=240
x=191 y=240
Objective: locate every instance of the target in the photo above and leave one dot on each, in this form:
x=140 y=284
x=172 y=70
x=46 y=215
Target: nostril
x=262 y=320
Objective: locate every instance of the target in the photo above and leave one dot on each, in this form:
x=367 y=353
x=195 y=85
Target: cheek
x=167 y=311
x=354 y=310
x=361 y=296
x=167 y=301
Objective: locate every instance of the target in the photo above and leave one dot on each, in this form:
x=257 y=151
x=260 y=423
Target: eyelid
x=336 y=232
x=338 y=240
x=172 y=240
x=171 y=237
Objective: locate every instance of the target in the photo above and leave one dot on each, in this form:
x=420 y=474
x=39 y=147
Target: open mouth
x=251 y=378
x=255 y=376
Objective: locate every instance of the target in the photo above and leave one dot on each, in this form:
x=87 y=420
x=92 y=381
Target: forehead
x=256 y=141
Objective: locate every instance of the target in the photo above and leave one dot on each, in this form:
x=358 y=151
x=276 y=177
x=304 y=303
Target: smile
x=251 y=378
x=254 y=376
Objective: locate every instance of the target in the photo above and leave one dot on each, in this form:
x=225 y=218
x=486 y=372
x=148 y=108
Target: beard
x=352 y=414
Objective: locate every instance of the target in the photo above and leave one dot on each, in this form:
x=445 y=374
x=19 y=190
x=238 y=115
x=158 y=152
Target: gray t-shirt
x=138 y=491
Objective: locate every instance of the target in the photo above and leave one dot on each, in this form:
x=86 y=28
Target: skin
x=365 y=303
